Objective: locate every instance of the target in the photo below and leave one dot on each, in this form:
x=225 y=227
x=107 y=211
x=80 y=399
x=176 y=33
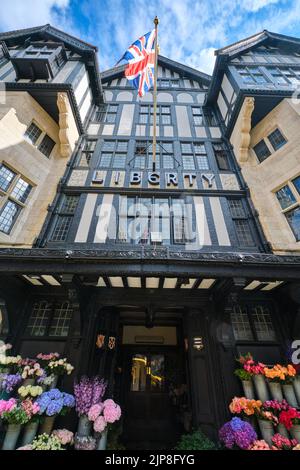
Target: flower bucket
x=248 y=389
x=102 y=440
x=11 y=436
x=54 y=383
x=281 y=429
x=84 y=426
x=276 y=391
x=28 y=382
x=261 y=387
x=47 y=425
x=267 y=430
x=29 y=433
x=295 y=432
x=289 y=395
x=296 y=384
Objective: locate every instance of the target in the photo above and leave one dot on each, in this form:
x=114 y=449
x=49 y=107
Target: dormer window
x=39 y=61
x=40 y=139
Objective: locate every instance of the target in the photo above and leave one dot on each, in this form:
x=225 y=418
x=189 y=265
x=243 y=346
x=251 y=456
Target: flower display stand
x=29 y=433
x=47 y=425
x=296 y=385
x=28 y=382
x=290 y=396
x=276 y=391
x=267 y=430
x=248 y=389
x=102 y=440
x=11 y=436
x=261 y=387
x=295 y=432
x=281 y=429
x=84 y=426
x=54 y=383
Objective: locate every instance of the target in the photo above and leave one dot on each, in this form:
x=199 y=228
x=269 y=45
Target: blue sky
x=190 y=30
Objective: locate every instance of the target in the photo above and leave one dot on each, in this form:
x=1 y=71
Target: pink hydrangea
x=7 y=405
x=65 y=436
x=112 y=411
x=95 y=411
x=99 y=424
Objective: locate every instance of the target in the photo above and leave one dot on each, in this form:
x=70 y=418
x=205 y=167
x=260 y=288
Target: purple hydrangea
x=10 y=381
x=54 y=394
x=237 y=433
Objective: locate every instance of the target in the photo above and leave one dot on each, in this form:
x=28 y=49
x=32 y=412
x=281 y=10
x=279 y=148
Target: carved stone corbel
x=247 y=110
x=63 y=108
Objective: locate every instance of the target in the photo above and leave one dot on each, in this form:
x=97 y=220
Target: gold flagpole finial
x=155 y=21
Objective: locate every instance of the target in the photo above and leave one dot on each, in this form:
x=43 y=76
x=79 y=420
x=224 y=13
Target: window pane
x=69 y=204
x=296 y=183
x=243 y=233
x=138 y=373
x=6 y=177
x=157 y=367
x=21 y=190
x=202 y=162
x=39 y=319
x=236 y=208
x=61 y=320
x=277 y=140
x=46 y=146
x=188 y=162
x=293 y=218
x=263 y=324
x=122 y=146
x=105 y=159
x=240 y=324
x=119 y=161
x=261 y=150
x=61 y=228
x=32 y=133
x=108 y=145
x=221 y=157
x=168 y=162
x=285 y=197
x=8 y=216
x=186 y=148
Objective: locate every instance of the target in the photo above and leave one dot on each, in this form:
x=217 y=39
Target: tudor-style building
x=158 y=278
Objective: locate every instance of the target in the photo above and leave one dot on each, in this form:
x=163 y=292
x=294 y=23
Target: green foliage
x=15 y=416
x=195 y=441
x=242 y=374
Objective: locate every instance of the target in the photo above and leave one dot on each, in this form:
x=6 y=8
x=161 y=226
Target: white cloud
x=17 y=14
x=256 y=5
x=189 y=30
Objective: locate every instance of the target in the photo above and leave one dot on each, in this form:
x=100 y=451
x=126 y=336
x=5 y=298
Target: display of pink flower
x=283 y=443
x=95 y=411
x=65 y=436
x=7 y=405
x=99 y=424
x=112 y=411
x=260 y=445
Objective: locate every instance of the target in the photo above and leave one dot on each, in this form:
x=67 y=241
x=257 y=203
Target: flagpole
x=155 y=94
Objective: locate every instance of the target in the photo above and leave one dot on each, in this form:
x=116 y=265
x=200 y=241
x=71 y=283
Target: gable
x=167 y=70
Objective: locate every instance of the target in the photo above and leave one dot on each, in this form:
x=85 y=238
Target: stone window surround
x=40 y=138
x=268 y=143
x=293 y=206
x=6 y=195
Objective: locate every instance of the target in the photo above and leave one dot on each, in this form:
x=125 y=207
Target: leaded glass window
x=262 y=151
x=32 y=133
x=277 y=140
x=262 y=323
x=241 y=324
x=113 y=154
x=14 y=191
x=49 y=318
x=64 y=218
x=46 y=146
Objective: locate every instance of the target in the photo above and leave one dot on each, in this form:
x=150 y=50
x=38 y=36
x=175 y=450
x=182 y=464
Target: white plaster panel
x=183 y=124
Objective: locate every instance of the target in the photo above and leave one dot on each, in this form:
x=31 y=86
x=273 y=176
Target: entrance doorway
x=153 y=389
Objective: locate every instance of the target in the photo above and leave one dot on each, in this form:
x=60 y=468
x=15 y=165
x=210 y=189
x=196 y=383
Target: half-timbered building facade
x=155 y=276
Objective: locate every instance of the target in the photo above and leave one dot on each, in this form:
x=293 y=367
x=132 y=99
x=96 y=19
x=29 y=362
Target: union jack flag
x=140 y=57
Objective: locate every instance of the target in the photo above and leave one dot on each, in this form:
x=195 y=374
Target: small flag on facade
x=141 y=62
